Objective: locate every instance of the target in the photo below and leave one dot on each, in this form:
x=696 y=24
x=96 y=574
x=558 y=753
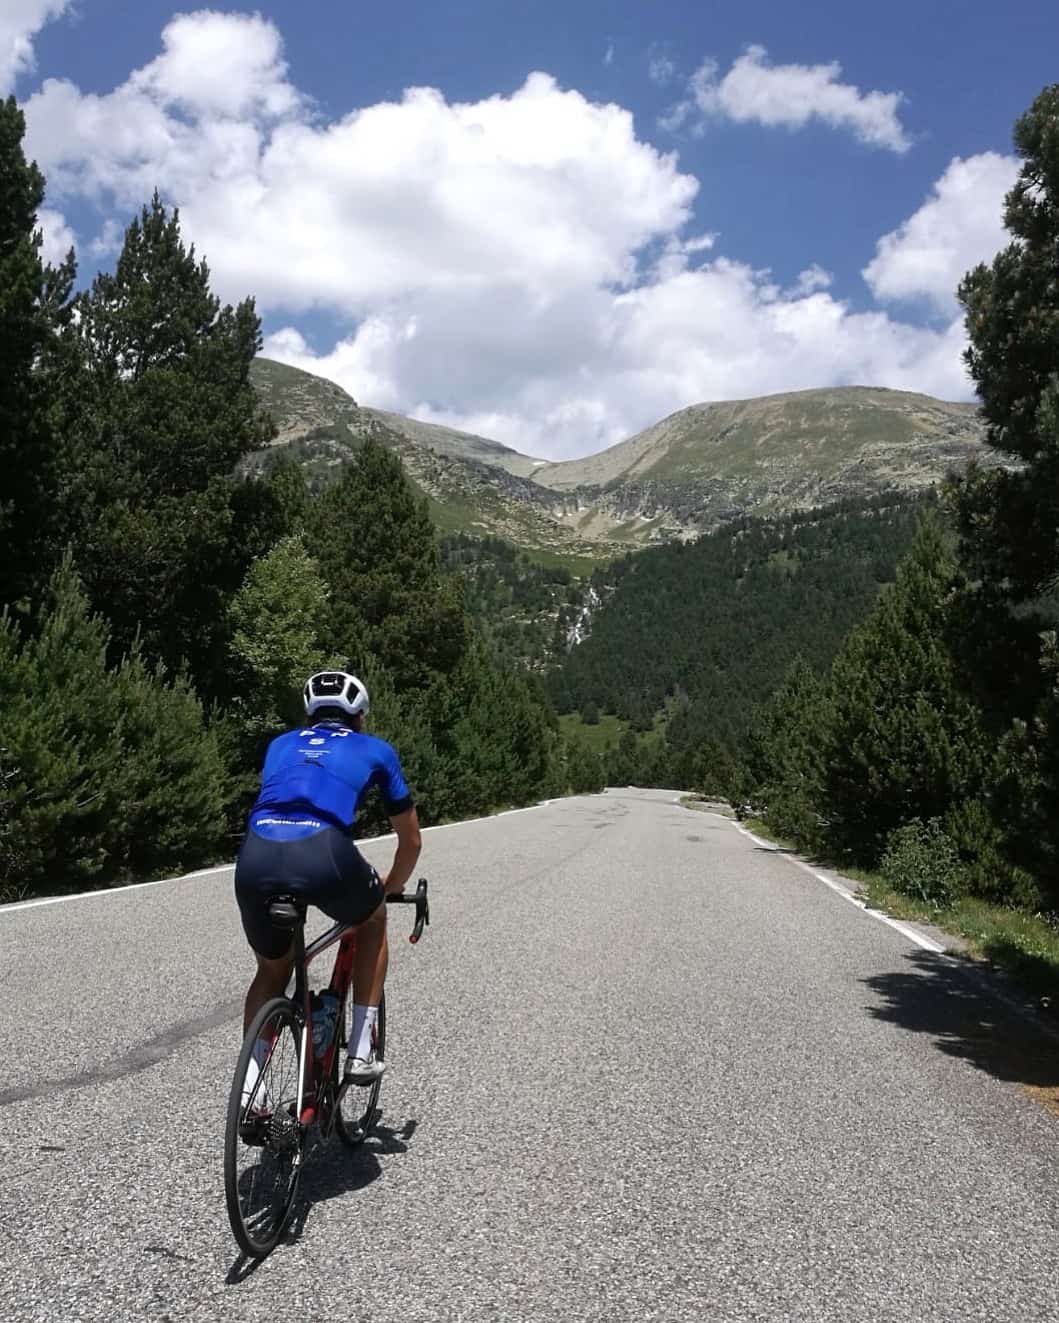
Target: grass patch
x=579 y=564
x=1024 y=945
x=609 y=730
x=598 y=738
x=761 y=828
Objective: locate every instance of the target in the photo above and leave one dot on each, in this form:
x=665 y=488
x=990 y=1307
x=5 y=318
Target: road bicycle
x=297 y=1085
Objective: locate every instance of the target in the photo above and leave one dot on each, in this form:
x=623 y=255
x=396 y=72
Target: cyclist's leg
x=270 y=981
x=357 y=898
x=256 y=882
x=354 y=894
x=372 y=958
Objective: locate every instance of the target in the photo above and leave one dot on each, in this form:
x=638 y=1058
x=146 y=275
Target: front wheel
x=264 y=1138
x=356 y=1109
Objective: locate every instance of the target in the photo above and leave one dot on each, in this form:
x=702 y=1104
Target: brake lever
x=419 y=900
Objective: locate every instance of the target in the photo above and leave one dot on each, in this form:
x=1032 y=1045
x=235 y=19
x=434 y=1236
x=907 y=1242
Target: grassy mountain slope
x=780 y=453
x=682 y=477
x=457 y=445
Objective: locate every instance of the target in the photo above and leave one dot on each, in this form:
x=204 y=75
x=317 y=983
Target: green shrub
x=584 y=769
x=130 y=780
x=920 y=860
x=791 y=814
x=987 y=871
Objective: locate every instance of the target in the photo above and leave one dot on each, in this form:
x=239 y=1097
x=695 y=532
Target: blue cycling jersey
x=316 y=777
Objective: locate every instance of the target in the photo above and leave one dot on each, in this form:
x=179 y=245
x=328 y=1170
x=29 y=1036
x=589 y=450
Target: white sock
x=253 y=1068
x=364 y=1020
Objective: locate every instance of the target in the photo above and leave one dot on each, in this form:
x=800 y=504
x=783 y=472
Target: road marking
x=227 y=868
x=111 y=891
x=906 y=930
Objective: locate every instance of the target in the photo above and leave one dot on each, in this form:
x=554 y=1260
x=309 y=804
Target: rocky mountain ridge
x=677 y=479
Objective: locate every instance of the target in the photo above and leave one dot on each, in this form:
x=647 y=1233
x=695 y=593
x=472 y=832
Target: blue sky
x=685 y=208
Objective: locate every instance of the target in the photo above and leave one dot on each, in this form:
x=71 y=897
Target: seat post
x=299 y=961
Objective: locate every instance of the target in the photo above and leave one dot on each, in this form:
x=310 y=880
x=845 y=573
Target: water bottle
x=325 y=1017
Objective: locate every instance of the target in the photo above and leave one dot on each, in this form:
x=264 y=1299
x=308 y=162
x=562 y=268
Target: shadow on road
x=942 y=996
x=332 y=1170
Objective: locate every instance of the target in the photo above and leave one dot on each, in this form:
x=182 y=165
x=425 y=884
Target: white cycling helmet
x=335 y=689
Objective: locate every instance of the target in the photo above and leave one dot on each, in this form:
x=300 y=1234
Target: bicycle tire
x=278 y=1143
x=355 y=1114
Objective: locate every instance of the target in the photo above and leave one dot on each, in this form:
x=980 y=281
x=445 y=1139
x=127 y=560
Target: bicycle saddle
x=285 y=912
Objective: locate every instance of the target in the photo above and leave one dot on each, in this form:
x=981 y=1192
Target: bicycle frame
x=341 y=977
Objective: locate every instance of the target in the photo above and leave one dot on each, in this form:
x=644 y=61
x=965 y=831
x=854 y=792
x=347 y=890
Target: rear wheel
x=358 y=1105
x=264 y=1140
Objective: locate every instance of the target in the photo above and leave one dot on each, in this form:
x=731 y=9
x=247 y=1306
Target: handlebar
x=419 y=900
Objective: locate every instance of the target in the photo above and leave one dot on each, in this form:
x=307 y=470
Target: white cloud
x=538 y=189
x=219 y=64
x=788 y=95
x=591 y=370
x=520 y=266
x=57 y=236
x=959 y=225
x=107 y=242
x=810 y=280
x=660 y=68
x=608 y=54
x=20 y=21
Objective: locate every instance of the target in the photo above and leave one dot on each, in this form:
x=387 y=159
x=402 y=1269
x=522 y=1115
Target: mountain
x=713 y=462
x=684 y=476
x=473 y=484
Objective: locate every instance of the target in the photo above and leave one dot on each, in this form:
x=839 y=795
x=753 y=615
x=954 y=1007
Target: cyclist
x=299 y=842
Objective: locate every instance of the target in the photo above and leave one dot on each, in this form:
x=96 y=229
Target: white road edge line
x=227 y=868
x=906 y=930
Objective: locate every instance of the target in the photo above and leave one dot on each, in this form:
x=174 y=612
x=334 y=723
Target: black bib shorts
x=325 y=869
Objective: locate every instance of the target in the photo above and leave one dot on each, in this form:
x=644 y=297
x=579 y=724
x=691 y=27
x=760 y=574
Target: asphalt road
x=640 y=1068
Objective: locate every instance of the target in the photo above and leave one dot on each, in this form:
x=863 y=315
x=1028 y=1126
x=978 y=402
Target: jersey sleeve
x=390 y=780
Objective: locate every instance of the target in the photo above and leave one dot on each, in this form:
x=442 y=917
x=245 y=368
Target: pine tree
x=376 y=546
x=108 y=769
x=167 y=410
x=784 y=762
x=59 y=725
x=583 y=769
x=174 y=789
x=1008 y=517
x=34 y=308
x=407 y=722
x=275 y=618
x=904 y=742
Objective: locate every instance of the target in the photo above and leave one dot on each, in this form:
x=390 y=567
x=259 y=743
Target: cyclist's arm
x=403 y=818
x=409 y=842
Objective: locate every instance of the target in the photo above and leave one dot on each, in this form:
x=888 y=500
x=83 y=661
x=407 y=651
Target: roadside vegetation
x=929 y=749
